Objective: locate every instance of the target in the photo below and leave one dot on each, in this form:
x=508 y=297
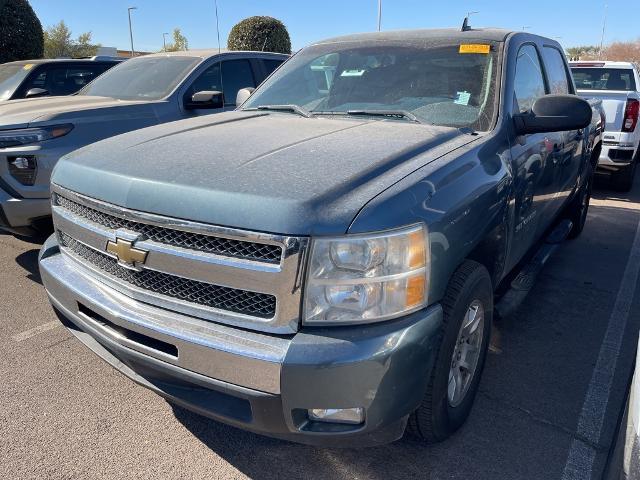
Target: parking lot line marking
x=32 y=332
x=582 y=456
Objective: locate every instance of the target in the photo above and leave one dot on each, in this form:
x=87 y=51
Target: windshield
x=603 y=79
x=142 y=78
x=11 y=76
x=435 y=84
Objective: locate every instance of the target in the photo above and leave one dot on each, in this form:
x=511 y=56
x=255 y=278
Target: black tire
x=622 y=180
x=436 y=418
x=579 y=206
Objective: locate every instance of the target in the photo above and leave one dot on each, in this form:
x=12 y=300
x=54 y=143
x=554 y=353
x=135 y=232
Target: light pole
x=526 y=27
x=133 y=52
x=379 y=14
x=215 y=2
x=164 y=40
x=471 y=13
x=604 y=24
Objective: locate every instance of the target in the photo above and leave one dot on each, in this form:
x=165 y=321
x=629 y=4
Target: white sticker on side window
x=463 y=98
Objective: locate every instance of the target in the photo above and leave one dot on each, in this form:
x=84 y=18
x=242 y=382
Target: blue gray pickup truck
x=320 y=265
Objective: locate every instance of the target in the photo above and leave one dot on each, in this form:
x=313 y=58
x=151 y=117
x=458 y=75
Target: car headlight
x=366 y=278
x=27 y=136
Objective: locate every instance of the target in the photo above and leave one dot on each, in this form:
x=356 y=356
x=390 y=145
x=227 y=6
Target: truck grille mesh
x=193 y=241
x=223 y=298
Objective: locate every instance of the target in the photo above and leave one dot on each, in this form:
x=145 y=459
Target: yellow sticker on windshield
x=28 y=66
x=474 y=48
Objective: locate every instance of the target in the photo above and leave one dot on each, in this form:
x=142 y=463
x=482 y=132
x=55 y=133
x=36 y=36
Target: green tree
x=180 y=42
x=262 y=34
x=21 y=34
x=59 y=43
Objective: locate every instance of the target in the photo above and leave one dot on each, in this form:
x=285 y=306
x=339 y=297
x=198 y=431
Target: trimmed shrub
x=21 y=36
x=261 y=34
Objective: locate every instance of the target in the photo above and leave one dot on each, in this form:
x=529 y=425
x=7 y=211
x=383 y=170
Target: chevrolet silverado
x=320 y=265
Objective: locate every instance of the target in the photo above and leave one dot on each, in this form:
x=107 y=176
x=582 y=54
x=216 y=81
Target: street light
x=131 y=31
x=164 y=40
x=526 y=27
x=471 y=13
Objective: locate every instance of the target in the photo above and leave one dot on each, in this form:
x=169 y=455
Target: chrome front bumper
x=256 y=381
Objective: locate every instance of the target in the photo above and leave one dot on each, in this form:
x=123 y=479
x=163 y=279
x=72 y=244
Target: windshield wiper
x=386 y=113
x=286 y=108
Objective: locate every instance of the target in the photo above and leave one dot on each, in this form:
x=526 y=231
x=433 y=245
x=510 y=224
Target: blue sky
x=576 y=21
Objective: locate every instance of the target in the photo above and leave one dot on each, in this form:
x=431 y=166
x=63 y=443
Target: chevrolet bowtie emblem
x=127 y=254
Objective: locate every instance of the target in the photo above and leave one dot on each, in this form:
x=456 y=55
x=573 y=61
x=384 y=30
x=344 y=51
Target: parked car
x=50 y=77
x=617 y=84
x=140 y=92
x=320 y=265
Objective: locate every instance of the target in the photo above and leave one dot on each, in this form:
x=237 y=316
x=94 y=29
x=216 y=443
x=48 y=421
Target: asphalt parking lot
x=549 y=402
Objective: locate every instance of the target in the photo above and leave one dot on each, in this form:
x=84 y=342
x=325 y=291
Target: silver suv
x=138 y=93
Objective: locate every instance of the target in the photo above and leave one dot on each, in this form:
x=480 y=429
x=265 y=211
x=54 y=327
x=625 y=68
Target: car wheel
x=579 y=207
x=467 y=315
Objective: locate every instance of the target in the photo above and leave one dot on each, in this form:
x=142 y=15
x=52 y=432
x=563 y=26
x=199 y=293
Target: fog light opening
x=23 y=168
x=349 y=416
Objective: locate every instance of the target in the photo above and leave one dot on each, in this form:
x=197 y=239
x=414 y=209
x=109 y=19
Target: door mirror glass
x=554 y=113
x=205 y=99
x=36 y=92
x=243 y=95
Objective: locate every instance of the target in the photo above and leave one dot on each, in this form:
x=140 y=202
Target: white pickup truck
x=617 y=84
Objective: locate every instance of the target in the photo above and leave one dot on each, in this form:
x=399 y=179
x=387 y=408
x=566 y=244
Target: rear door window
x=556 y=71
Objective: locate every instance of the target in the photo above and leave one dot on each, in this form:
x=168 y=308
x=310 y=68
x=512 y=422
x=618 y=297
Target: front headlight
x=366 y=278
x=27 y=136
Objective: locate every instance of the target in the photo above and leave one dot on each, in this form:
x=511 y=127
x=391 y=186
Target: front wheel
x=468 y=312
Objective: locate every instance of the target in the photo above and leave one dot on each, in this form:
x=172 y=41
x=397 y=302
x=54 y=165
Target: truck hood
x=71 y=109
x=272 y=172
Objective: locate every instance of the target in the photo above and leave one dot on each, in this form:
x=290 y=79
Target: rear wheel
x=468 y=312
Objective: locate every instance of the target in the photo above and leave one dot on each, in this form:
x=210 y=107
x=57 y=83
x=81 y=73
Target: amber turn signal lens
x=415 y=291
x=417 y=253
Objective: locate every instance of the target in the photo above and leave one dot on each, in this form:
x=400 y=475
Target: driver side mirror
x=205 y=99
x=36 y=92
x=243 y=95
x=554 y=113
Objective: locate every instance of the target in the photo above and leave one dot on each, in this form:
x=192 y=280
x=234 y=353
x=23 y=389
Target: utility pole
x=164 y=40
x=379 y=14
x=133 y=52
x=604 y=24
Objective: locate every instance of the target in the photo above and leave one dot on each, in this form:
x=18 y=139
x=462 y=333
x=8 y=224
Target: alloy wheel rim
x=466 y=353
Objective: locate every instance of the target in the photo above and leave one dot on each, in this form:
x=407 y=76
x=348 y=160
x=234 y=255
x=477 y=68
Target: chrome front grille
x=231 y=299
x=219 y=274
x=193 y=241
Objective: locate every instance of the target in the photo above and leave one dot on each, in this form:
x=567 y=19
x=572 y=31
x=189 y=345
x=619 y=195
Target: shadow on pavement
x=29 y=261
x=262 y=457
